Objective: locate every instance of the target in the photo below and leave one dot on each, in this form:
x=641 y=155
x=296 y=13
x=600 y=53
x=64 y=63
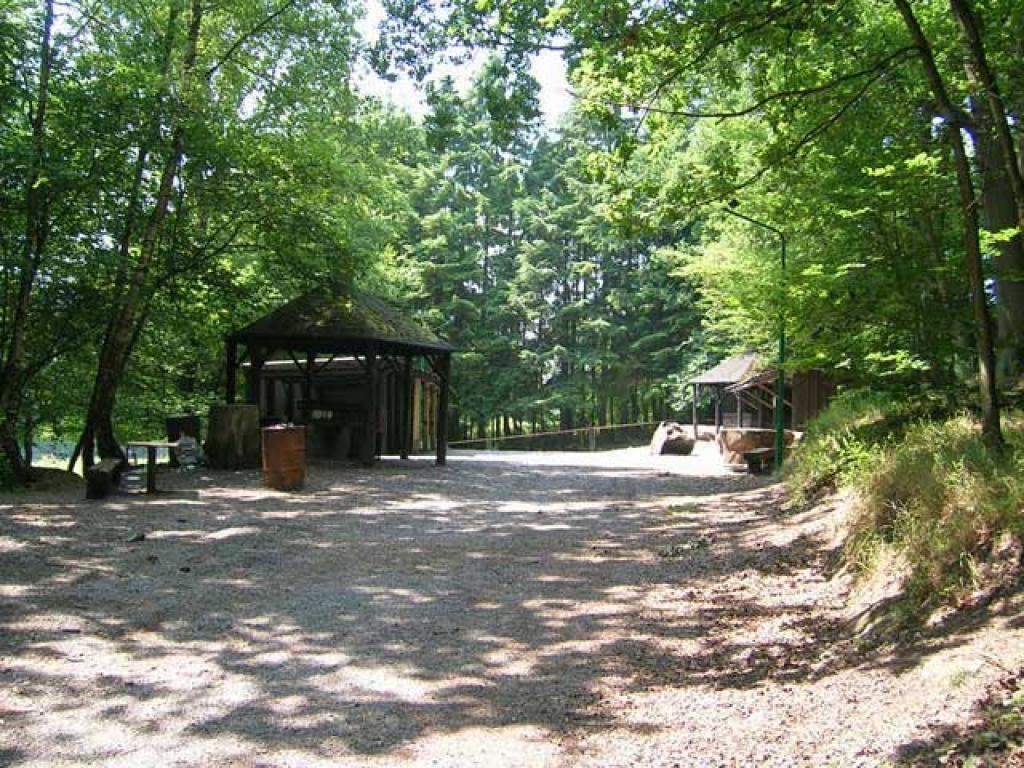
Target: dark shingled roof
x=337 y=317
x=729 y=371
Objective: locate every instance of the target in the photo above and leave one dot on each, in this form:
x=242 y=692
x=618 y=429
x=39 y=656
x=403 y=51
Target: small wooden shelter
x=362 y=376
x=726 y=374
x=743 y=394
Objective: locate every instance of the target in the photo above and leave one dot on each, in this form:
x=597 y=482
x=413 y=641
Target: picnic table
x=151 y=447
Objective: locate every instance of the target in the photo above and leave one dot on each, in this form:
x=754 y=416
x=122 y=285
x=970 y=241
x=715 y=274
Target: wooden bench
x=759 y=460
x=101 y=478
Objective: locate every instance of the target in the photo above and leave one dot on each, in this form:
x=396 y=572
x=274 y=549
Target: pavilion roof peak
x=338 y=314
x=729 y=371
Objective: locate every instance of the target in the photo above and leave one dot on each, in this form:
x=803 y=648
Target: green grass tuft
x=928 y=494
x=843 y=442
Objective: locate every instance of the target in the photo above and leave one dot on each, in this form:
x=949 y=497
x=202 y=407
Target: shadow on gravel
x=992 y=736
x=381 y=607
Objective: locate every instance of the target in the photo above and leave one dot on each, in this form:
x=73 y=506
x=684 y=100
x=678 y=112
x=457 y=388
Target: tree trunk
x=999 y=213
x=133 y=307
x=37 y=226
x=991 y=423
x=1002 y=190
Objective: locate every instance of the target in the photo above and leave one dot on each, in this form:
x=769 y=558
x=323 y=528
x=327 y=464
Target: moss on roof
x=338 y=312
x=729 y=371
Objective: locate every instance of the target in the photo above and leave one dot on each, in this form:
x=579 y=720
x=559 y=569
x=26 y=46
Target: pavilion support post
x=444 y=373
x=696 y=419
x=307 y=389
x=368 y=449
x=406 y=408
x=417 y=415
x=232 y=373
x=718 y=409
x=739 y=410
x=257 y=357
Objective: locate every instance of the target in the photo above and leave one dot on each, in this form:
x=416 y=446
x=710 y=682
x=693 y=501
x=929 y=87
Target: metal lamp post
x=780 y=382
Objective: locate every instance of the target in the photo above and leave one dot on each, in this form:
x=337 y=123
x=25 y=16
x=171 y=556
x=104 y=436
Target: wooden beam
x=444 y=372
x=323 y=367
x=368 y=449
x=232 y=373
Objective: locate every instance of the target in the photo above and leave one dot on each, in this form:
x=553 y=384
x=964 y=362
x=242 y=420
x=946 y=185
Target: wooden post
x=417 y=415
x=718 y=409
x=368 y=449
x=405 y=431
x=253 y=386
x=739 y=410
x=271 y=399
x=307 y=389
x=696 y=418
x=150 y=469
x=232 y=373
x=289 y=399
x=444 y=364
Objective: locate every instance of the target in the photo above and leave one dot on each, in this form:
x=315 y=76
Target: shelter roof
x=729 y=371
x=338 y=317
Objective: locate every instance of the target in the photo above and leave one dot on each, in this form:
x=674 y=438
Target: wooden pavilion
x=726 y=374
x=362 y=376
x=743 y=394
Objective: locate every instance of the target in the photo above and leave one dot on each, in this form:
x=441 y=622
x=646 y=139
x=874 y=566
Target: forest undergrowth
x=928 y=501
x=937 y=520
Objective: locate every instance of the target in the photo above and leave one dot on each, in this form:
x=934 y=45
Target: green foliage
x=559 y=299
x=942 y=500
x=286 y=177
x=846 y=440
x=927 y=490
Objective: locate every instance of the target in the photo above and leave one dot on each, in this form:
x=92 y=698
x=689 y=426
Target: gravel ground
x=512 y=610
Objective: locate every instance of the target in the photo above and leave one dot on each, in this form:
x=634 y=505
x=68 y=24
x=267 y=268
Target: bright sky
x=547 y=66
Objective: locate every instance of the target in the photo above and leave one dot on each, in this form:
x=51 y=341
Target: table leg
x=150 y=469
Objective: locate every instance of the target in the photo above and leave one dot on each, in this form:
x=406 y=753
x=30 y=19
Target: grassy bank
x=928 y=500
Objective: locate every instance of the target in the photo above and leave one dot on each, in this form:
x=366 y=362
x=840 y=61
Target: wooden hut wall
x=812 y=391
x=337 y=408
x=424 y=423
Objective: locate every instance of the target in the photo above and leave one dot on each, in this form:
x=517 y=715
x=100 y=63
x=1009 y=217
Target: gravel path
x=515 y=610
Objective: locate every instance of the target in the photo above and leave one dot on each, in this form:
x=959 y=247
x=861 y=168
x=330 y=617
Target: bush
x=928 y=494
x=941 y=500
x=845 y=440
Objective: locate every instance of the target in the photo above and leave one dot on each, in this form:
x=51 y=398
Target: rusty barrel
x=284 y=457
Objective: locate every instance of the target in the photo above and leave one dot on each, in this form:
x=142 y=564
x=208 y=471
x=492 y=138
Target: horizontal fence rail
x=595 y=438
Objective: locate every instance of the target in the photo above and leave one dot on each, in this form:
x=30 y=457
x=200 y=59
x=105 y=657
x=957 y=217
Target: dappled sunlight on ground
x=509 y=609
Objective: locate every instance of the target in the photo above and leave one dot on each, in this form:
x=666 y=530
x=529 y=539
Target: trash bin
x=284 y=457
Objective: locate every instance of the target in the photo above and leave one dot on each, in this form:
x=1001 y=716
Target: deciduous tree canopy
x=169 y=170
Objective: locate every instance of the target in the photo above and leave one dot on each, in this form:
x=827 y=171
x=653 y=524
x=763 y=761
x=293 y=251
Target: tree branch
x=875 y=72
x=242 y=39
x=795 y=149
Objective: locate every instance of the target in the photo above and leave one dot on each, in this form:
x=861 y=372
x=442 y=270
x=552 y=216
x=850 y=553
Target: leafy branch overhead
x=171 y=171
